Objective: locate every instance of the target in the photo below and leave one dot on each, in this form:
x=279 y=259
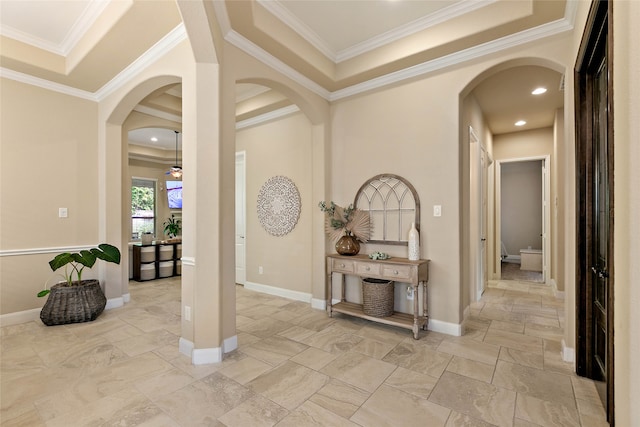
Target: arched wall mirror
x=392 y=204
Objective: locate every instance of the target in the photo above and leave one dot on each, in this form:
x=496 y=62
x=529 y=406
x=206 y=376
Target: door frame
x=596 y=45
x=546 y=215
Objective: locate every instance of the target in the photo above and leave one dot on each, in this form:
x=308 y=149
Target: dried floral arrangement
x=346 y=221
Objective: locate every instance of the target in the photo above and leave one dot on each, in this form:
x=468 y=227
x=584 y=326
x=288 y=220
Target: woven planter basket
x=73 y=304
x=377 y=297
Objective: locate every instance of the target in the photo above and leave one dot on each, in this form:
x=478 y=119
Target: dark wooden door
x=594 y=184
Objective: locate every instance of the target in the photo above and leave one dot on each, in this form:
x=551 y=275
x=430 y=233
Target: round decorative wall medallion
x=279 y=205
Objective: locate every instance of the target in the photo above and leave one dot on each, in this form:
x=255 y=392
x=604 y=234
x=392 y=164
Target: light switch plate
x=63 y=212
x=437 y=210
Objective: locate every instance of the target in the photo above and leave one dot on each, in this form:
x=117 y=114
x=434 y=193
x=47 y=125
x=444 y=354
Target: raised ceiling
x=334 y=47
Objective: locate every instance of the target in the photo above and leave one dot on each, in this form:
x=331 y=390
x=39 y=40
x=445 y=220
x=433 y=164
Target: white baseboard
x=185 y=347
x=205 y=356
x=318 y=304
x=445 y=327
x=568 y=353
x=272 y=290
x=126 y=297
x=230 y=344
x=114 y=303
x=20 y=317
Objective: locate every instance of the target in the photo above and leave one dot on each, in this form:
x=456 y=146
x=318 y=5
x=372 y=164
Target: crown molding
x=46 y=84
x=157 y=113
x=263 y=118
x=155 y=52
x=547 y=30
x=443 y=15
x=263 y=56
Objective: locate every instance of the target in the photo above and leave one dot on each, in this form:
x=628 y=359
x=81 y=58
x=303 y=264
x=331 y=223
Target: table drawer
x=367 y=268
x=342 y=266
x=397 y=272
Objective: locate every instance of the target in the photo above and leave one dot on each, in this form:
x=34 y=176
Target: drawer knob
x=342 y=265
x=368 y=268
x=396 y=272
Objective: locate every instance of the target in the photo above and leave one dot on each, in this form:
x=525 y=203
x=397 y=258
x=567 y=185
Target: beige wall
x=279 y=148
x=626 y=20
x=47 y=161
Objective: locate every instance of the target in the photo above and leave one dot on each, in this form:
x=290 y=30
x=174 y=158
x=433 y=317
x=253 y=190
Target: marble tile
x=383 y=333
x=274 y=350
x=184 y=363
x=392 y=407
x=311 y=414
x=333 y=343
x=165 y=383
x=372 y=348
x=543 y=320
x=506 y=316
x=517 y=327
x=296 y=333
x=469 y=349
x=266 y=327
x=417 y=384
x=477 y=399
x=314 y=358
x=546 y=413
x=525 y=358
x=340 y=398
x=535 y=383
x=255 y=412
x=418 y=358
x=148 y=342
x=472 y=369
x=289 y=385
x=202 y=402
x=514 y=341
x=456 y=419
x=544 y=331
x=245 y=370
x=359 y=370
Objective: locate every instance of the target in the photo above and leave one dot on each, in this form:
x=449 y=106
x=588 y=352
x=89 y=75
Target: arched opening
x=490 y=106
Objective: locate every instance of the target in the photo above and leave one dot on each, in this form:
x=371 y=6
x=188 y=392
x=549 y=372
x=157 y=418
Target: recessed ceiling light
x=539 y=91
x=520 y=123
x=154 y=139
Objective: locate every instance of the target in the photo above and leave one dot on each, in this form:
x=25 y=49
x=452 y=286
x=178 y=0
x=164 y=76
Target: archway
x=475 y=217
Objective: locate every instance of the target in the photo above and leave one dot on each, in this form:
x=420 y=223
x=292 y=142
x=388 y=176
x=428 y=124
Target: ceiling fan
x=176 y=170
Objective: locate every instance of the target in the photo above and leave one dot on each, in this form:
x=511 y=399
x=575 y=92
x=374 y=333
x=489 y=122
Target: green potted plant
x=172 y=226
x=76 y=300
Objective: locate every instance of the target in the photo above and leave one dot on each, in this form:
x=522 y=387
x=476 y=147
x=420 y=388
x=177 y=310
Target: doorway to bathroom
x=523 y=218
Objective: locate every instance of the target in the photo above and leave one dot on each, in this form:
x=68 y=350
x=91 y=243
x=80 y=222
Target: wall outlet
x=437 y=210
x=260 y=270
x=410 y=293
x=63 y=212
x=187 y=313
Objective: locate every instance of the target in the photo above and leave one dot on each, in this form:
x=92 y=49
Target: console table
x=414 y=273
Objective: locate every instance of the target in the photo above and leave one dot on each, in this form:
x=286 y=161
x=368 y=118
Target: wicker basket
x=377 y=297
x=73 y=304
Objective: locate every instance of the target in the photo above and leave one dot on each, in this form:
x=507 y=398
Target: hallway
x=297 y=367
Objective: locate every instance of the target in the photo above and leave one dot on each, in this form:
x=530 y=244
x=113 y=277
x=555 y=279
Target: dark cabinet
x=156 y=261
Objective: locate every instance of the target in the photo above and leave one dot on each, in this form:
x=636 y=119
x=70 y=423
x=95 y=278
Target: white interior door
x=241 y=206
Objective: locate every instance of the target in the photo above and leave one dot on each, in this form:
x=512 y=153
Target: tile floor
x=297 y=367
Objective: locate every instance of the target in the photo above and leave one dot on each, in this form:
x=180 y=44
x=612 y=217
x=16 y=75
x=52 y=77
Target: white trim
x=568 y=353
x=230 y=344
x=46 y=84
x=205 y=356
x=37 y=251
x=272 y=115
x=19 y=317
x=445 y=327
x=187 y=260
x=114 y=303
x=154 y=53
x=272 y=290
x=185 y=347
x=126 y=297
x=318 y=304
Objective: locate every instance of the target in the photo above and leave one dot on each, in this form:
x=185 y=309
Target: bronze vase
x=347 y=245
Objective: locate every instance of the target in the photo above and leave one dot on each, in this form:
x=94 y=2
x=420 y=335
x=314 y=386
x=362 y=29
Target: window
x=143 y=207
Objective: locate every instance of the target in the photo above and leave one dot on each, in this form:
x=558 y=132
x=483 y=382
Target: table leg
x=425 y=308
x=329 y=293
x=416 y=311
